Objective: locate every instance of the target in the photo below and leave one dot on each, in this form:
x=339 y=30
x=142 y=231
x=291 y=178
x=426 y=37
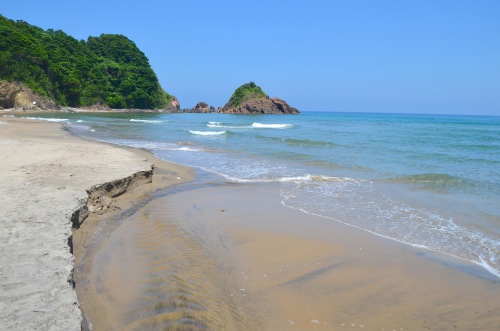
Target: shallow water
x=152 y=268
x=426 y=180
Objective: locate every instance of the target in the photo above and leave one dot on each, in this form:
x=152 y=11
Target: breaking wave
x=145 y=121
x=48 y=119
x=271 y=126
x=207 y=133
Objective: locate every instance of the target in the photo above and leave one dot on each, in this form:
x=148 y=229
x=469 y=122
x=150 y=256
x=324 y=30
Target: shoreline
x=49 y=180
x=452 y=261
x=286 y=268
x=279 y=268
x=315 y=274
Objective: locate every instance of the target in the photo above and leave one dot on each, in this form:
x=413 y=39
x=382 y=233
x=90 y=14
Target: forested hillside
x=107 y=70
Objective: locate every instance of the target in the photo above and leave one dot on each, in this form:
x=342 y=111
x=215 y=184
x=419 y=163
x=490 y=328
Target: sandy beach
x=45 y=177
x=206 y=254
x=307 y=273
x=203 y=257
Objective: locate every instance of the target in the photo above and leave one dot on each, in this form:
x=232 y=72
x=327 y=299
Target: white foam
x=48 y=119
x=298 y=179
x=271 y=126
x=479 y=260
x=150 y=145
x=145 y=121
x=207 y=133
x=79 y=126
x=225 y=126
x=188 y=149
x=488 y=267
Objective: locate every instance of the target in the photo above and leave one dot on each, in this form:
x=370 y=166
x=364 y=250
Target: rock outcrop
x=250 y=99
x=18 y=96
x=173 y=106
x=262 y=106
x=201 y=107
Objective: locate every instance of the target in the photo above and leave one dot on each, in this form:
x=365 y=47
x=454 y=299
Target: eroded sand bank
x=44 y=175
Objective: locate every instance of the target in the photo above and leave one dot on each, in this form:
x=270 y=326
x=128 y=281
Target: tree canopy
x=245 y=92
x=107 y=70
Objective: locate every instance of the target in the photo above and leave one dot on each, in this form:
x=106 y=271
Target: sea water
x=431 y=181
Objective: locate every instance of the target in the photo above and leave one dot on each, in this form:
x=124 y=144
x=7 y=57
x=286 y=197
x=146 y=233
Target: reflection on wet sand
x=156 y=272
x=231 y=257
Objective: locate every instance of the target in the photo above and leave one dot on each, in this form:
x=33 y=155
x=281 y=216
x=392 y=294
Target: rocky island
x=201 y=107
x=251 y=99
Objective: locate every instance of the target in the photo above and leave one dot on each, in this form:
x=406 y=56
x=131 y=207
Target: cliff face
x=173 y=106
x=18 y=96
x=251 y=99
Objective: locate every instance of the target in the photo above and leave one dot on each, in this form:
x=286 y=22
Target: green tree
x=109 y=69
x=245 y=92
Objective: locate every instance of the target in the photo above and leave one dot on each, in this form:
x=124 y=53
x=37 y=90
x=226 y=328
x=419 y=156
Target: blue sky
x=414 y=56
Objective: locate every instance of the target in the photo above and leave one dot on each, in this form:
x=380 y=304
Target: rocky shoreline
x=18 y=98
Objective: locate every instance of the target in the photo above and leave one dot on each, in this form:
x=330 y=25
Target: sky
x=406 y=56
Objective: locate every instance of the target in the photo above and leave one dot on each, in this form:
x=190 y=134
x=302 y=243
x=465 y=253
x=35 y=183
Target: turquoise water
x=426 y=180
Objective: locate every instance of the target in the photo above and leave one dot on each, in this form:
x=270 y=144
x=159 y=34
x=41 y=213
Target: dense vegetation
x=107 y=70
x=245 y=92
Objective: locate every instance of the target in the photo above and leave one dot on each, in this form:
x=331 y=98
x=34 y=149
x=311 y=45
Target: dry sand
x=45 y=173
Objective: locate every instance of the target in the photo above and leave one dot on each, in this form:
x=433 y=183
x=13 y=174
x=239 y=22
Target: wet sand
x=105 y=282
x=218 y=256
x=141 y=269
x=309 y=273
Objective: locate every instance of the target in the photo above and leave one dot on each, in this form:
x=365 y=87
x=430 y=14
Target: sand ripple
x=157 y=272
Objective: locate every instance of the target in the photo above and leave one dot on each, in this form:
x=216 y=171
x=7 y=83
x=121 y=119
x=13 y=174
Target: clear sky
x=400 y=56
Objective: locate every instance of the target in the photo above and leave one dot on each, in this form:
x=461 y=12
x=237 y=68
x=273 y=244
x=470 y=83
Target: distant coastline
x=18 y=98
x=47 y=70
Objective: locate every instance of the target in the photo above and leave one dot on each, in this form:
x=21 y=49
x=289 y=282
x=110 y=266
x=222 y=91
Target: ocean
x=431 y=181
